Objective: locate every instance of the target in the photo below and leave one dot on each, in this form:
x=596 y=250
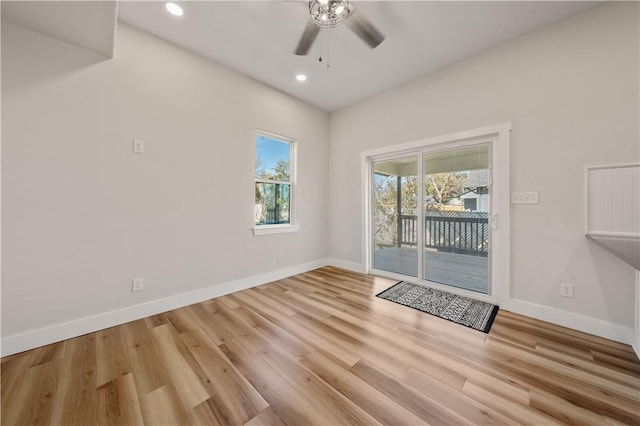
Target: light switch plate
x=138 y=146
x=566 y=290
x=137 y=284
x=524 y=198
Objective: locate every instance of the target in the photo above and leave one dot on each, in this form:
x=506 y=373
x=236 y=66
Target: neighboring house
x=476 y=195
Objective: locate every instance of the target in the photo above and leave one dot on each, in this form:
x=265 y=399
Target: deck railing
x=455 y=232
x=272 y=217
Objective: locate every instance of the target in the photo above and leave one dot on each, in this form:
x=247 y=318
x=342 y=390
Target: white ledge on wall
x=275 y=229
x=625 y=245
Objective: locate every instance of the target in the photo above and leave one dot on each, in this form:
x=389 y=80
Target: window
x=274 y=176
x=471 y=204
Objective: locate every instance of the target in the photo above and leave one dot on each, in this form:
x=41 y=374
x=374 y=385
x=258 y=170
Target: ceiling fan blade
x=308 y=37
x=364 y=29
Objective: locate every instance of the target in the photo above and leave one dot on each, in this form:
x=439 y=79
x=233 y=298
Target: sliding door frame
x=497 y=137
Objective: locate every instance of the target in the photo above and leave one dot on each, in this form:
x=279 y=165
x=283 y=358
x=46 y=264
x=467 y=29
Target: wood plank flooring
x=320 y=348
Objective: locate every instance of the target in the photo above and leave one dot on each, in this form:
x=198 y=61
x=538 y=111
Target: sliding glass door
x=430 y=216
x=456 y=211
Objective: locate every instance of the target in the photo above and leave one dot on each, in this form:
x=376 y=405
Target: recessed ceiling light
x=174 y=9
x=301 y=77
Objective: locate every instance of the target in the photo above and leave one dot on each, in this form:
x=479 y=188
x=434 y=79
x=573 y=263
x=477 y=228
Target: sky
x=269 y=151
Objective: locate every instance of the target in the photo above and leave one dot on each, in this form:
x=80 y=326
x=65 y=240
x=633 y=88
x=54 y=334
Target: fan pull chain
x=322 y=37
x=328 y=49
x=325 y=40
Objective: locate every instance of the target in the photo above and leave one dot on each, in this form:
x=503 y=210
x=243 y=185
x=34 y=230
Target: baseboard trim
x=583 y=323
x=57 y=332
x=349 y=266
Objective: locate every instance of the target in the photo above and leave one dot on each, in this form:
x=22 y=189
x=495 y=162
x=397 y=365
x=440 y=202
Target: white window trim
x=292 y=226
x=275 y=229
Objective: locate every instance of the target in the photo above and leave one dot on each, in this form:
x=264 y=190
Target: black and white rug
x=459 y=309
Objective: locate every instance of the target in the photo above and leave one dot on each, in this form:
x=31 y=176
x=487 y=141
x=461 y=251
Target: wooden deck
x=457 y=270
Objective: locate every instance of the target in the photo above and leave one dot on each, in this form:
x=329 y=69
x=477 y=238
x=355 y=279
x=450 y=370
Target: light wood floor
x=320 y=348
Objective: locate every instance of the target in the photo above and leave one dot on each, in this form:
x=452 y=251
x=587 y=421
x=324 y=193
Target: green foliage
x=442 y=187
x=272 y=198
x=385 y=193
x=280 y=172
x=439 y=190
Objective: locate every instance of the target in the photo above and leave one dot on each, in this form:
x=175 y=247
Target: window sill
x=274 y=229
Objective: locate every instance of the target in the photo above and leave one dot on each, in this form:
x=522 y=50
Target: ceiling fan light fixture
x=329 y=13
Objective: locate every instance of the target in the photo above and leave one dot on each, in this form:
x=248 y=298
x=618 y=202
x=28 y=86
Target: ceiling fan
x=331 y=13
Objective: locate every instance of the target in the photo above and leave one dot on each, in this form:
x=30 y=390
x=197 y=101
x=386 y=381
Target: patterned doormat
x=459 y=309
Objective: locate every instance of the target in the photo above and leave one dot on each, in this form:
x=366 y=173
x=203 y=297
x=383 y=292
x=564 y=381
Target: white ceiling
x=257 y=38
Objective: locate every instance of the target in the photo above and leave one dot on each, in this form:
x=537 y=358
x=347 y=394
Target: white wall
x=571 y=93
x=82 y=215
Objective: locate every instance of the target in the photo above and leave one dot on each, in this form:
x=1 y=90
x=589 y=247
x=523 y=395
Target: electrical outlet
x=566 y=290
x=138 y=146
x=345 y=250
x=280 y=256
x=524 y=198
x=137 y=284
